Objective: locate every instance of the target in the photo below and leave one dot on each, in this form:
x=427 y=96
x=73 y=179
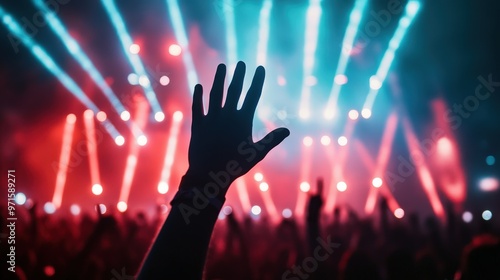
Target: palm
x=225 y=133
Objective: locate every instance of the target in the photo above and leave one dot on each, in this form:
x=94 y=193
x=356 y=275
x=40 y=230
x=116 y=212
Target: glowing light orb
x=162 y=187
x=487 y=215
x=133 y=79
x=20 y=198
x=174 y=50
x=342 y=140
x=256 y=210
x=305 y=187
x=159 y=116
x=101 y=116
x=286 y=213
x=307 y=141
x=341 y=186
x=340 y=79
x=467 y=217
x=142 y=140
x=97 y=189
x=399 y=213
x=325 y=140
x=264 y=187
x=75 y=209
x=122 y=206
x=227 y=210
x=49 y=208
x=375 y=83
x=377 y=182
x=366 y=113
x=164 y=80
x=258 y=177
x=125 y=115
x=119 y=140
x=178 y=116
x=353 y=115
x=134 y=49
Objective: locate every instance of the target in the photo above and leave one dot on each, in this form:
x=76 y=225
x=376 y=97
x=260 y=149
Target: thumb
x=271 y=140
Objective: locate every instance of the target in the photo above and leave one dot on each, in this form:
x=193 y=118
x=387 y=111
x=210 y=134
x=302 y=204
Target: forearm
x=180 y=248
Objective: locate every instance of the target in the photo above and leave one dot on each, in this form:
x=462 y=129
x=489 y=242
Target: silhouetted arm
x=221 y=149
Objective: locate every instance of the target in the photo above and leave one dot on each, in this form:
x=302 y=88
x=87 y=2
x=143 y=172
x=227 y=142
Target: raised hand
x=221 y=144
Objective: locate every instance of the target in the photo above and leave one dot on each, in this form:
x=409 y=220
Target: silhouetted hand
x=221 y=140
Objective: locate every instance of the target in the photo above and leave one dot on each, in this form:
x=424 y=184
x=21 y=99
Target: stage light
x=227 y=210
x=340 y=79
x=168 y=160
x=144 y=81
x=307 y=141
x=164 y=80
x=264 y=187
x=122 y=206
x=164 y=209
x=78 y=54
x=119 y=140
x=467 y=217
x=366 y=113
x=328 y=114
x=88 y=114
x=159 y=116
x=125 y=115
x=488 y=184
x=134 y=49
x=178 y=116
x=133 y=79
x=258 y=177
x=342 y=140
x=490 y=160
x=47 y=61
x=49 y=270
x=75 y=209
x=174 y=50
x=134 y=60
x=399 y=213
x=264 y=17
x=347 y=45
x=353 y=115
x=487 y=215
x=325 y=140
x=49 y=208
x=412 y=8
x=101 y=116
x=375 y=83
x=377 y=182
x=175 y=16
x=286 y=213
x=444 y=146
x=20 y=198
x=304 y=113
x=142 y=140
x=281 y=81
x=311 y=81
x=97 y=189
x=305 y=187
x=385 y=64
x=256 y=210
x=313 y=17
x=162 y=187
x=102 y=208
x=64 y=160
x=341 y=186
